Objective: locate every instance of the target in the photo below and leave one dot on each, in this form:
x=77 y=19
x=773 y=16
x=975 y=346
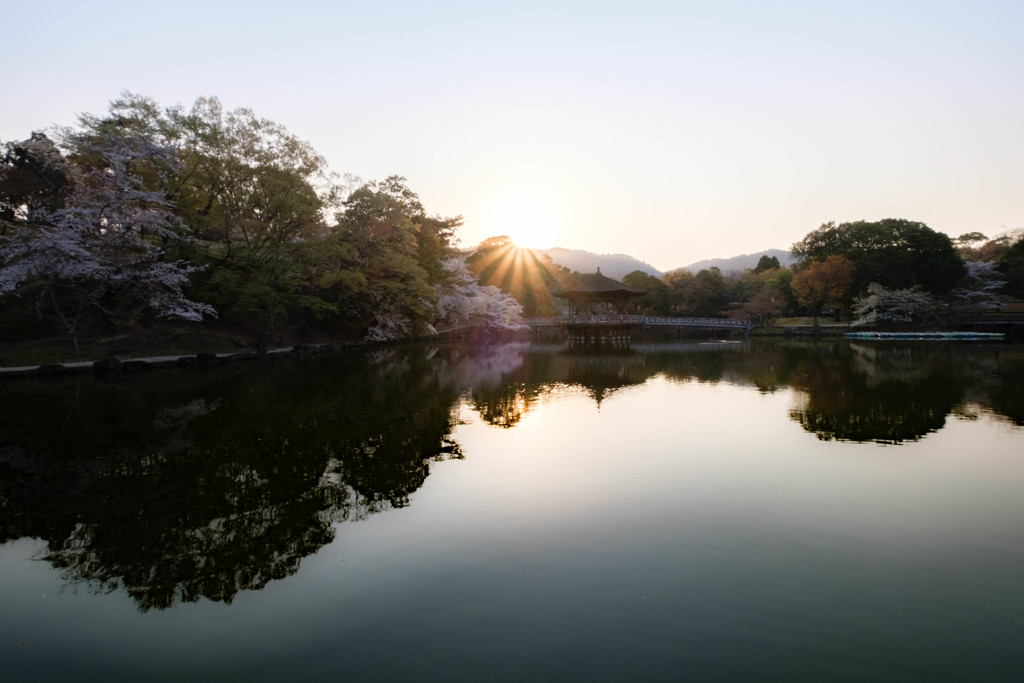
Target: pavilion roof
x=598 y=287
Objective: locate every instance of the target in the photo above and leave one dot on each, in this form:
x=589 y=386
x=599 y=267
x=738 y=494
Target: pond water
x=757 y=510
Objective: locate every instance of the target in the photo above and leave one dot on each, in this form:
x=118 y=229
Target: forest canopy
x=201 y=214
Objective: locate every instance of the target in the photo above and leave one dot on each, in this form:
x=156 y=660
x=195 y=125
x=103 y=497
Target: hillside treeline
x=151 y=213
x=888 y=271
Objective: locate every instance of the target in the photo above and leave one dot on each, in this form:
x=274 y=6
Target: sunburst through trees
x=526 y=274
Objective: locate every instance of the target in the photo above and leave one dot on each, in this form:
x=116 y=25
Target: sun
x=534 y=207
x=526 y=219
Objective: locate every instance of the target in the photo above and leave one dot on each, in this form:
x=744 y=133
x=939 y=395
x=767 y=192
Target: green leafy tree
x=34 y=176
x=703 y=294
x=252 y=193
x=781 y=280
x=1012 y=266
x=761 y=296
x=896 y=253
x=657 y=299
x=381 y=223
x=680 y=287
x=766 y=263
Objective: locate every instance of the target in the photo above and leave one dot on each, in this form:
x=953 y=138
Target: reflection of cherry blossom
x=486 y=365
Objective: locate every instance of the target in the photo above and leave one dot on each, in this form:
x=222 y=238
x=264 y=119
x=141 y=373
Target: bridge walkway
x=637 y=321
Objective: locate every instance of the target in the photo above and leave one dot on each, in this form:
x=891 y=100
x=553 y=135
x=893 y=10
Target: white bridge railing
x=635 y=320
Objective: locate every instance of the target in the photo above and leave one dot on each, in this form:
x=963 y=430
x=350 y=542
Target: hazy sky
x=670 y=131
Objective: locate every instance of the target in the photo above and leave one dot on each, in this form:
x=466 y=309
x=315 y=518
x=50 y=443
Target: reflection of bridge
x=636 y=321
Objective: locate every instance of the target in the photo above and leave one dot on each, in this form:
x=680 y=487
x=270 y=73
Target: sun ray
x=503 y=266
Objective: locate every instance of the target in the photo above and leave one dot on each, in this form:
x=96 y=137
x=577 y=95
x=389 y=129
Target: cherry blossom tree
x=463 y=301
x=111 y=242
x=882 y=305
x=980 y=291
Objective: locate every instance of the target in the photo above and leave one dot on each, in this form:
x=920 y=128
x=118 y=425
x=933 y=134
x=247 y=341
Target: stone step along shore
x=112 y=365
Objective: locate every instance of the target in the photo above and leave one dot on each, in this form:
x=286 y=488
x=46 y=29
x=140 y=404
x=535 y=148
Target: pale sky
x=672 y=131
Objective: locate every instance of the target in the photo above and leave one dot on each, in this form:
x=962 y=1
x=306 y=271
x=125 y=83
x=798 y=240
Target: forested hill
x=613 y=265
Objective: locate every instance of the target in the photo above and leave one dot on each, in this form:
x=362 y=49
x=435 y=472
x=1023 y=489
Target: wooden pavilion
x=596 y=316
x=598 y=294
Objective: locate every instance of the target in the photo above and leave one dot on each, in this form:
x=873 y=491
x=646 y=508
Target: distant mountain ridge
x=741 y=262
x=618 y=265
x=615 y=266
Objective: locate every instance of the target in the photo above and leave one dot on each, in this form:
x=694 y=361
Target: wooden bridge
x=608 y=329
x=637 y=321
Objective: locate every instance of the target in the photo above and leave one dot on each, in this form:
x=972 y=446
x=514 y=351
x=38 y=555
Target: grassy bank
x=802 y=326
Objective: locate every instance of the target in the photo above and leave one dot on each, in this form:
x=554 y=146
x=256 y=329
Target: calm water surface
x=775 y=511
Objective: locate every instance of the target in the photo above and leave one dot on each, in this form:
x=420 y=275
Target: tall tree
x=255 y=195
x=380 y=224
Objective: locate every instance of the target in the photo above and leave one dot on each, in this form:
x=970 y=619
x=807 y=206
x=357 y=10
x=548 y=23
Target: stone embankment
x=112 y=365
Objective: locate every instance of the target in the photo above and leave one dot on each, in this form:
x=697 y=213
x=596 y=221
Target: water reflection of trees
x=1005 y=393
x=892 y=392
x=885 y=393
x=181 y=486
x=600 y=372
x=887 y=399
x=504 y=401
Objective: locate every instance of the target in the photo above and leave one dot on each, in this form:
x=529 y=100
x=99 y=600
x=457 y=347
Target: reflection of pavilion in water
x=600 y=374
